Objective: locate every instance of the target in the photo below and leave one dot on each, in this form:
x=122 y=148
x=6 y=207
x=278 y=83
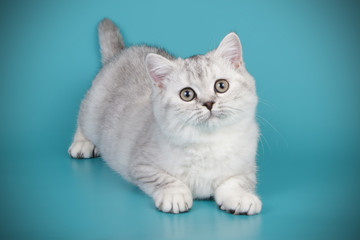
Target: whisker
x=262 y=145
x=263 y=121
x=192 y=116
x=277 y=131
x=262 y=136
x=265 y=102
x=232 y=108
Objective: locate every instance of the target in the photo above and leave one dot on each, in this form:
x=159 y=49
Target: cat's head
x=205 y=92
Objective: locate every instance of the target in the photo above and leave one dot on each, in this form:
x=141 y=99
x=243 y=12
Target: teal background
x=305 y=57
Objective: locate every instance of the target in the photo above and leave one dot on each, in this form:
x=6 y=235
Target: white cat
x=177 y=128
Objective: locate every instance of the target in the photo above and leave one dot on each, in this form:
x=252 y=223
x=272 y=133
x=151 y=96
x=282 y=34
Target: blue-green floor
x=50 y=196
x=305 y=58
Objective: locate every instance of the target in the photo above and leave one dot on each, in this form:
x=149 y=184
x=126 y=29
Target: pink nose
x=209 y=105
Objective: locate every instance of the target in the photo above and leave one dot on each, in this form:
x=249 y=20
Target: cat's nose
x=209 y=105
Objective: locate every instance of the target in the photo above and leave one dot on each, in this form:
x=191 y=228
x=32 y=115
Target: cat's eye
x=221 y=86
x=187 y=94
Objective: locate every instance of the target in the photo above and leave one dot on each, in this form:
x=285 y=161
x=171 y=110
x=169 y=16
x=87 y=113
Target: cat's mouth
x=211 y=116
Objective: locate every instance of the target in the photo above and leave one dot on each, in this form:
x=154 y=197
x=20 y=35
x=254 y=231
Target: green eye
x=221 y=86
x=187 y=94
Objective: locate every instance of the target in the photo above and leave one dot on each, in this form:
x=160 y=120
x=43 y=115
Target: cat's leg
x=169 y=193
x=236 y=195
x=82 y=147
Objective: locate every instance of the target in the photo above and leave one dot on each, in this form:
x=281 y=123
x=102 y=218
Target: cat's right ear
x=158 y=68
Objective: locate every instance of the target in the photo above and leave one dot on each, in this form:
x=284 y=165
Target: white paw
x=244 y=203
x=83 y=149
x=173 y=199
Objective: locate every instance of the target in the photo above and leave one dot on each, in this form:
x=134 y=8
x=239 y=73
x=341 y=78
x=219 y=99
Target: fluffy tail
x=111 y=41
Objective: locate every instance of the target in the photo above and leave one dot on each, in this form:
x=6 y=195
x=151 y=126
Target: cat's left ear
x=158 y=68
x=230 y=49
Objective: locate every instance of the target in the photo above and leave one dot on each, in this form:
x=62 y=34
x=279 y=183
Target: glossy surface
x=304 y=56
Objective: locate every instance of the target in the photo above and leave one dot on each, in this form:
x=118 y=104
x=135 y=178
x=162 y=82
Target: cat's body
x=139 y=115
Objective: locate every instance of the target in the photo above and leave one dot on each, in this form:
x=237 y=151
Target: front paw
x=244 y=203
x=83 y=149
x=176 y=199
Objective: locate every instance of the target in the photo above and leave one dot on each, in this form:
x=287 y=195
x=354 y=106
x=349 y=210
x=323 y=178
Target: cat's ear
x=230 y=49
x=158 y=68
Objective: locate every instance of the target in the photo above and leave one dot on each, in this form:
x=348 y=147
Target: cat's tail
x=111 y=41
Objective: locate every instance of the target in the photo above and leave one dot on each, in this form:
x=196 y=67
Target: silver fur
x=173 y=150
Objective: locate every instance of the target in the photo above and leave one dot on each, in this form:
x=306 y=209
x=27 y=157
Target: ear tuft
x=158 y=68
x=230 y=49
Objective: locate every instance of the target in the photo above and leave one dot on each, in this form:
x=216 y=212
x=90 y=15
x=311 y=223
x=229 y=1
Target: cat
x=180 y=129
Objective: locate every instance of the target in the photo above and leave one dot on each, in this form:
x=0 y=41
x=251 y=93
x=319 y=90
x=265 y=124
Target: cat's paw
x=173 y=199
x=83 y=149
x=243 y=203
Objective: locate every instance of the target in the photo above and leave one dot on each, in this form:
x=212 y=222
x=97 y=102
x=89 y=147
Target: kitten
x=177 y=128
